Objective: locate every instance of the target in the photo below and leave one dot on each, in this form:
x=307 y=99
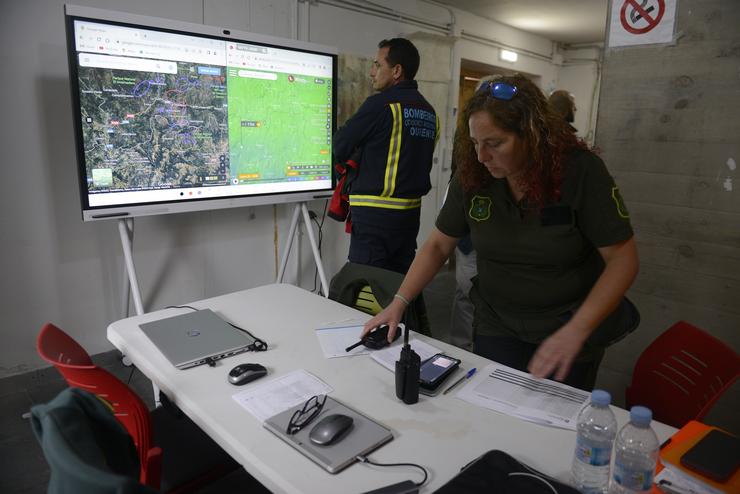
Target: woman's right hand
x=391 y=316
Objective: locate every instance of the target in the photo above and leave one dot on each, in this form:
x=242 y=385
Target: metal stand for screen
x=301 y=208
x=126 y=230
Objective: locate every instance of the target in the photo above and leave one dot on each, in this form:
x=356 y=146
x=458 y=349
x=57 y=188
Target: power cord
x=365 y=459
x=131 y=374
x=258 y=345
x=313 y=217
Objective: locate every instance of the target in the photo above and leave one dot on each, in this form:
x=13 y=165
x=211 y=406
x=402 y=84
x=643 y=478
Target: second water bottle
x=635 y=454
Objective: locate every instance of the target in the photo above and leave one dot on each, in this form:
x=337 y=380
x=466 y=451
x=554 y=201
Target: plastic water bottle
x=596 y=428
x=636 y=453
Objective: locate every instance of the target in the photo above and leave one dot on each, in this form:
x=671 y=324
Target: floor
x=24 y=469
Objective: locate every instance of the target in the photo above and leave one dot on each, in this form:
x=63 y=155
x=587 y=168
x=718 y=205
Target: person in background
x=394 y=132
x=563 y=104
x=555 y=247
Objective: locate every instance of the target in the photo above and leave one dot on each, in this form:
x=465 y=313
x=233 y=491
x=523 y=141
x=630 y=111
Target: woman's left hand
x=557 y=353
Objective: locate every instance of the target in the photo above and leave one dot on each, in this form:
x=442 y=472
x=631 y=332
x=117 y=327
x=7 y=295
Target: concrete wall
x=57 y=268
x=669 y=131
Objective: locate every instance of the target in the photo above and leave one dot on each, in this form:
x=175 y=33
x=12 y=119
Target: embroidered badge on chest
x=480 y=208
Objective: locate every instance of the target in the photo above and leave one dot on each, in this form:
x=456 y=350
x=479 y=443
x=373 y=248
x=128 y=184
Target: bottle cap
x=641 y=416
x=600 y=397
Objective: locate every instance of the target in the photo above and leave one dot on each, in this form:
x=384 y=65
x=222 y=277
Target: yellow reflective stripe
x=436 y=137
x=394 y=148
x=384 y=202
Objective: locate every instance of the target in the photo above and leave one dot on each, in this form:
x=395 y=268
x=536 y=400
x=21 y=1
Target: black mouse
x=245 y=373
x=329 y=429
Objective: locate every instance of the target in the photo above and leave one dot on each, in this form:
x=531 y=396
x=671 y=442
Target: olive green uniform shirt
x=535 y=266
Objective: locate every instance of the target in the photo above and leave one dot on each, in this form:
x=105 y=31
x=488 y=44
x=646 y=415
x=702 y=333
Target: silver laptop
x=196 y=338
x=365 y=436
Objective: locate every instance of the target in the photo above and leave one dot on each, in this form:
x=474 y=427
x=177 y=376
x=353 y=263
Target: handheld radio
x=407 y=371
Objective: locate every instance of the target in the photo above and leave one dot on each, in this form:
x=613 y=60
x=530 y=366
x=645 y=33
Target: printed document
x=387 y=356
x=333 y=341
x=682 y=482
x=516 y=393
x=281 y=393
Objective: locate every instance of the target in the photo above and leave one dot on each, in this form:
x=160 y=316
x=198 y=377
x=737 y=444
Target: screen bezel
x=93 y=213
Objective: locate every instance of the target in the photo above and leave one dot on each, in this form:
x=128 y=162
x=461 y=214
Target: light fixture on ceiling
x=509 y=56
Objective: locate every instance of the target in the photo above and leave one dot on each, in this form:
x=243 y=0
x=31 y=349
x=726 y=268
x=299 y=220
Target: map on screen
x=166 y=117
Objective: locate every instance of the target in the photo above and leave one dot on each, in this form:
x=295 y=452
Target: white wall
x=57 y=268
x=580 y=75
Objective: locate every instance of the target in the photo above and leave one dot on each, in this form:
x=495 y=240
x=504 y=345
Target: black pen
x=668 y=487
x=466 y=376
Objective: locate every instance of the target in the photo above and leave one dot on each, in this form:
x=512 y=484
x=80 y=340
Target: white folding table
x=441 y=433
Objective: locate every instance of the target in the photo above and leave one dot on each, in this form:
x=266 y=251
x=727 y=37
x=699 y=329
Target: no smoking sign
x=641 y=22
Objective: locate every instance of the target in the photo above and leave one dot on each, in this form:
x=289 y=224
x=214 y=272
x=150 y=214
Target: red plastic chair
x=682 y=374
x=185 y=474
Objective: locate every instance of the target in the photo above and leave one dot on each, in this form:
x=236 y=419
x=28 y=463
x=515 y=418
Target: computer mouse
x=245 y=373
x=330 y=429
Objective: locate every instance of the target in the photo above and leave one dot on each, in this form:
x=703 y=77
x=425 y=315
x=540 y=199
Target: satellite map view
x=152 y=130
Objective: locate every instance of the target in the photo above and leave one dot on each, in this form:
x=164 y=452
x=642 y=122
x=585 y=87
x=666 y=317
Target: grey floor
x=22 y=464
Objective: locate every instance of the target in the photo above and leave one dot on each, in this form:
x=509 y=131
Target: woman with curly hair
x=556 y=252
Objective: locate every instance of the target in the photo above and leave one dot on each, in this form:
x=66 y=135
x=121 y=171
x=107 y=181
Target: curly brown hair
x=546 y=138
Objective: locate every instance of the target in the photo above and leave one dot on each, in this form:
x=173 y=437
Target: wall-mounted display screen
x=177 y=117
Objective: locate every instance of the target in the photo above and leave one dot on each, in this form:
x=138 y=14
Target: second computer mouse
x=329 y=429
x=245 y=373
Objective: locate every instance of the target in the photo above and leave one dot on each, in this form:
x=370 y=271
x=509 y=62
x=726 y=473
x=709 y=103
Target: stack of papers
x=334 y=340
x=388 y=356
x=516 y=393
x=279 y=394
x=673 y=480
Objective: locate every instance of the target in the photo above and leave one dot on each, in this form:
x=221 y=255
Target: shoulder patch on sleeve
x=621 y=207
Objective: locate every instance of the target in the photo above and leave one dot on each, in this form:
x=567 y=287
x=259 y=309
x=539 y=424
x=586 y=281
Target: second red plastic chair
x=682 y=374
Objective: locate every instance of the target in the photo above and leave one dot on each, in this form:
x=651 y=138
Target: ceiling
x=566 y=21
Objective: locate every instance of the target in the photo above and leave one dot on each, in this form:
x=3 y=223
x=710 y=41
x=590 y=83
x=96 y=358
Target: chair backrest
x=73 y=362
x=86 y=448
x=347 y=285
x=682 y=374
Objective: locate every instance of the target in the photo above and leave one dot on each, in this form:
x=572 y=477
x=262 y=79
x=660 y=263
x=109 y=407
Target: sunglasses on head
x=500 y=90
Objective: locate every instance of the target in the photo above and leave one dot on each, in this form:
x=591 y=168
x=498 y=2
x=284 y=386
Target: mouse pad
x=365 y=436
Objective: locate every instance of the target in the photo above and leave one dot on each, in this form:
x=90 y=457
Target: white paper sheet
x=333 y=341
x=387 y=356
x=281 y=393
x=516 y=393
x=681 y=482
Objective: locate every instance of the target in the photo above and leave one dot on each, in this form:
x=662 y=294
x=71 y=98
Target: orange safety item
x=339 y=204
x=680 y=443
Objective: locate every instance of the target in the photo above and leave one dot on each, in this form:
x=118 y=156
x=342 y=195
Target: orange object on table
x=681 y=442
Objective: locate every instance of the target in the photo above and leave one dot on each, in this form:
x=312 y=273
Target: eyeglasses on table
x=305 y=415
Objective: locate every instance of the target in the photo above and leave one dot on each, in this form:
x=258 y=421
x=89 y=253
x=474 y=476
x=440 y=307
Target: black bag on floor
x=497 y=472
